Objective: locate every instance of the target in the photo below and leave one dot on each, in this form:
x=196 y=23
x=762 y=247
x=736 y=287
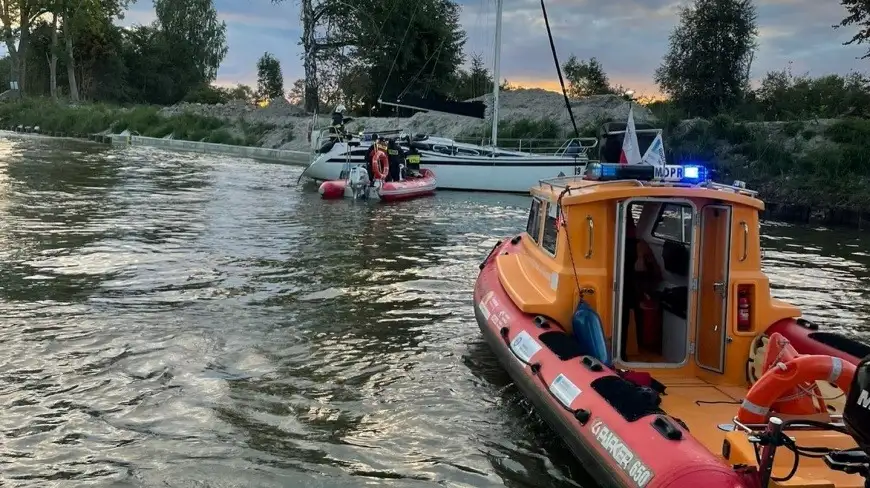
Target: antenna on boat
x=558 y=68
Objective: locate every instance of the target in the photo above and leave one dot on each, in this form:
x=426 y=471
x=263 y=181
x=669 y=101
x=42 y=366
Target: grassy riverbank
x=85 y=119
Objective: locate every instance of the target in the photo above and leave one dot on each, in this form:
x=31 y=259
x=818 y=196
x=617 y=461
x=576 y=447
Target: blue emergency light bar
x=645 y=172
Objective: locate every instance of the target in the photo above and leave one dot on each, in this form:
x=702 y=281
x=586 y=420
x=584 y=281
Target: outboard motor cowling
x=856 y=414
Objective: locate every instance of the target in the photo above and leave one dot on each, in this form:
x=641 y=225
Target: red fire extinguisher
x=742 y=311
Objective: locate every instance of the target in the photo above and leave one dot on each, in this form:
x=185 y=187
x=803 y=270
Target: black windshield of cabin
x=551 y=229
x=533 y=226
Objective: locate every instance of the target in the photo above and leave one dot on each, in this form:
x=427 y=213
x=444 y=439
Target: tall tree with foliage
x=474 y=82
x=585 y=78
x=859 y=15
x=270 y=81
x=194 y=38
x=707 y=66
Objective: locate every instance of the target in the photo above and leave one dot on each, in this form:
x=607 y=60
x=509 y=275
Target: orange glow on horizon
x=643 y=95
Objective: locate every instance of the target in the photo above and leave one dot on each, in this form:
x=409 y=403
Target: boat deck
x=704 y=406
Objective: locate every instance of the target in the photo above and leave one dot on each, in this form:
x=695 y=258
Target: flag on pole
x=655 y=153
x=630 y=150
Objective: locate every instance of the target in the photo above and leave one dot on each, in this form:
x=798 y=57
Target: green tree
x=585 y=78
x=707 y=66
x=193 y=40
x=475 y=82
x=270 y=81
x=859 y=15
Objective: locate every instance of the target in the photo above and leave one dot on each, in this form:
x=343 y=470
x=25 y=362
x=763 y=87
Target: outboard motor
x=856 y=416
x=358 y=182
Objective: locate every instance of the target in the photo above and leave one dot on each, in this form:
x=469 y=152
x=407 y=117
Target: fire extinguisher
x=742 y=310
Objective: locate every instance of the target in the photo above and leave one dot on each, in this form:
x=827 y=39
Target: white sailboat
x=459 y=166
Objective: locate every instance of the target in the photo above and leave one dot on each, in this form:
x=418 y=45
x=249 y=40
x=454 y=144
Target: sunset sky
x=629 y=37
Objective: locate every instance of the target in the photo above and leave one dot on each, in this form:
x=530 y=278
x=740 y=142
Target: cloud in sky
x=629 y=37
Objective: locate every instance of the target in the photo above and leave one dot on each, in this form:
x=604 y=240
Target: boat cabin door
x=712 y=295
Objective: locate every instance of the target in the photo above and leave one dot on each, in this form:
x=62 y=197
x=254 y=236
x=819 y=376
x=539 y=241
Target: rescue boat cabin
x=668 y=259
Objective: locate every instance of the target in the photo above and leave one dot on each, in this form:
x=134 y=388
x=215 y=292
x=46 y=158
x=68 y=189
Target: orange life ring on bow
x=380 y=164
x=803 y=399
x=779 y=380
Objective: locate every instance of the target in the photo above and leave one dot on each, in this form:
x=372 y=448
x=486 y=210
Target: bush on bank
x=57 y=118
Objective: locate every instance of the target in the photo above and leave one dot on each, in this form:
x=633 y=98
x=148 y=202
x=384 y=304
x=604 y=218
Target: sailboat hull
x=510 y=173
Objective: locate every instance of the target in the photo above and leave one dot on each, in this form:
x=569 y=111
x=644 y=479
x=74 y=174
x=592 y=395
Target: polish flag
x=630 y=150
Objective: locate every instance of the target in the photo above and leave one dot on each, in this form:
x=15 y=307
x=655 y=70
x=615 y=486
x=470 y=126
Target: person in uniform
x=412 y=161
x=397 y=158
x=336 y=130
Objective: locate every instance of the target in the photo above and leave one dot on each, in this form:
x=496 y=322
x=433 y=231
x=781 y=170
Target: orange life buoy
x=783 y=378
x=380 y=164
x=800 y=400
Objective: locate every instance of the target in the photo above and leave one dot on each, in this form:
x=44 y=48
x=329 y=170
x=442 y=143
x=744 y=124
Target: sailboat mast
x=496 y=71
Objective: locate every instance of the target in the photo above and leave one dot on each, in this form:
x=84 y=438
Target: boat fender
x=589 y=333
x=666 y=428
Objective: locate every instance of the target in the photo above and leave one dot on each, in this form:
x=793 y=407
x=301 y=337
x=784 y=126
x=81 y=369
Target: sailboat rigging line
x=559 y=70
x=398 y=51
x=420 y=71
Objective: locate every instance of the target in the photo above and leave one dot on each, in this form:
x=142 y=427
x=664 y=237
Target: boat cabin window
x=466 y=152
x=654 y=275
x=442 y=149
x=551 y=228
x=533 y=226
x=674 y=223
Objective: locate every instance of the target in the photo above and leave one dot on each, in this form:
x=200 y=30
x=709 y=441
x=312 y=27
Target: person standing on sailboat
x=336 y=130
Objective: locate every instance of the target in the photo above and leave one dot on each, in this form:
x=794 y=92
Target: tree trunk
x=52 y=61
x=70 y=62
x=309 y=62
x=23 y=43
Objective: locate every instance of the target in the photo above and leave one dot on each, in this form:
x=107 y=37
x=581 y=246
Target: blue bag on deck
x=589 y=333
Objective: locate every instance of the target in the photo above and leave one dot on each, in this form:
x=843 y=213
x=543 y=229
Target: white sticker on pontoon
x=524 y=346
x=564 y=390
x=636 y=470
x=483 y=304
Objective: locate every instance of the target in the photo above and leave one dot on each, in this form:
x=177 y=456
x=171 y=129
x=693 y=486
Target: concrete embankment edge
x=299 y=158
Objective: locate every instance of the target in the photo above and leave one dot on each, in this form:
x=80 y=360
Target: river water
x=174 y=319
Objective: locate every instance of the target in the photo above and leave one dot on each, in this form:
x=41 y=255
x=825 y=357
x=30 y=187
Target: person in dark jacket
x=397 y=158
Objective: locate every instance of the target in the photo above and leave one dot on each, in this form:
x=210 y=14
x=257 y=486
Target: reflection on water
x=185 y=320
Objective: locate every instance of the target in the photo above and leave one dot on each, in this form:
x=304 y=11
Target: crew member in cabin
x=641 y=275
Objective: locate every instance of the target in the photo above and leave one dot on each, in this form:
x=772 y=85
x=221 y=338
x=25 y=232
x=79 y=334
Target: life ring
x=380 y=164
x=782 y=378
